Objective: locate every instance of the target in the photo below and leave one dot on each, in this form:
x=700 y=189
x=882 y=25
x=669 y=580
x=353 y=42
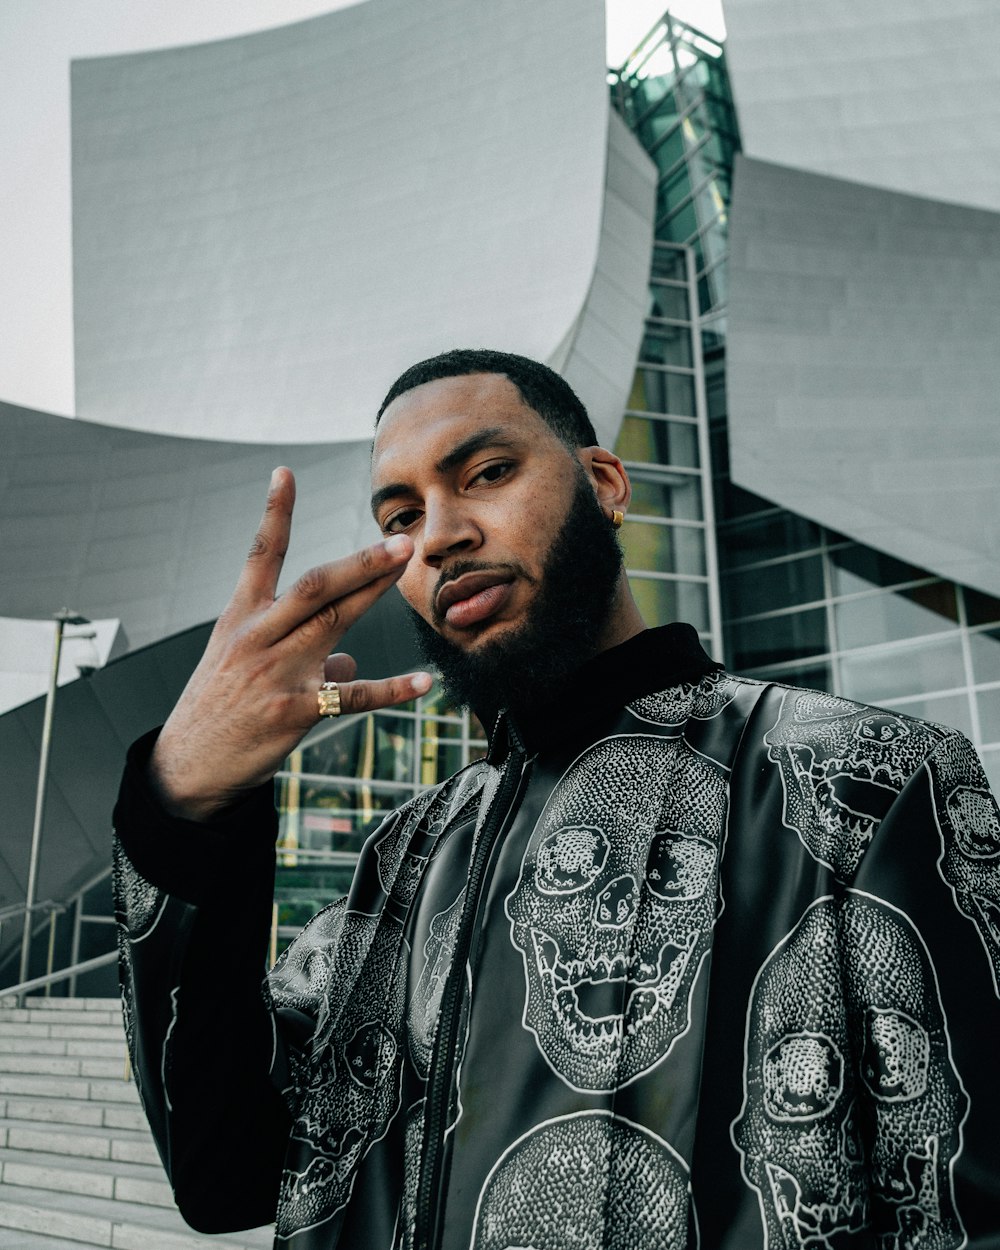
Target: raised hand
x=254 y=693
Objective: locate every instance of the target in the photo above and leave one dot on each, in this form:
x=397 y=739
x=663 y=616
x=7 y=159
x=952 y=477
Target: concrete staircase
x=77 y=1163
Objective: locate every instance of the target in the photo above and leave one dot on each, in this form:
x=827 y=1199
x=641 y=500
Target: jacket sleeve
x=193 y=906
x=922 y=966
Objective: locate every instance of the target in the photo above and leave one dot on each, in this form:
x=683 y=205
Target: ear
x=608 y=477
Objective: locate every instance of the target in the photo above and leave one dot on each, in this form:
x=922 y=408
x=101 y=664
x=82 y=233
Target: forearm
x=194 y=905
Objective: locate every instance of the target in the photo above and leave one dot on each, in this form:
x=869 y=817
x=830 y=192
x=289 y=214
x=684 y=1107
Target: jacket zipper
x=437 y=1104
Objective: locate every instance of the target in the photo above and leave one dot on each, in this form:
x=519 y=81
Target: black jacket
x=689 y=959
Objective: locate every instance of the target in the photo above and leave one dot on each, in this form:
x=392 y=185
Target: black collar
x=654 y=660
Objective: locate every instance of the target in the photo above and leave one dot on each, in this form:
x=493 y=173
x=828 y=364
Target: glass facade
x=799 y=603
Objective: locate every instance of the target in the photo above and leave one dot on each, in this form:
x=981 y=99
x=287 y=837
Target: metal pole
x=43 y=770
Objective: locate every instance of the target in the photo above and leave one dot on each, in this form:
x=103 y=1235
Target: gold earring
x=617 y=518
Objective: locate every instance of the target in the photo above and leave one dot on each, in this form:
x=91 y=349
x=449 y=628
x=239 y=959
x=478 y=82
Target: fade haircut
x=541 y=388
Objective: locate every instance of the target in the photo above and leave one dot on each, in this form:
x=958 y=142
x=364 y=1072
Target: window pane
x=667 y=345
x=988 y=702
x=669 y=262
x=894 y=615
x=679 y=497
x=985 y=649
x=812 y=676
x=775 y=535
x=879 y=675
x=860 y=568
x=951 y=710
x=777 y=639
x=658 y=442
x=660 y=391
x=667 y=301
x=991 y=765
x=662 y=548
x=982 y=609
x=662 y=602
x=774 y=586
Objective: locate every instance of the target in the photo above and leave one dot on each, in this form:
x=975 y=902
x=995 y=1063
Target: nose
x=448 y=530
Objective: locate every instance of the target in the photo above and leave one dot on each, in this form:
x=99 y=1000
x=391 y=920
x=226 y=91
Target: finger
x=324 y=596
x=368 y=696
x=259 y=578
x=339 y=667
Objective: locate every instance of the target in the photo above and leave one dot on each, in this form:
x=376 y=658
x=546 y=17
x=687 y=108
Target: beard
x=524 y=667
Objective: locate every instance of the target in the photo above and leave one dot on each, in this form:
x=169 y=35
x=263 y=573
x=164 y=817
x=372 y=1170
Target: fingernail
x=421 y=682
x=397 y=544
x=274 y=479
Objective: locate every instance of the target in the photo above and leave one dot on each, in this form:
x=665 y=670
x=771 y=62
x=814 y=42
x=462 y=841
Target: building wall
x=901 y=94
x=268 y=229
x=862 y=363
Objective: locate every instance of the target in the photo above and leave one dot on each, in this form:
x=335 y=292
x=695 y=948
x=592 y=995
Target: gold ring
x=617 y=518
x=328 y=697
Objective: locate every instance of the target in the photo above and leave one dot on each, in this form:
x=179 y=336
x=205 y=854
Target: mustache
x=460 y=567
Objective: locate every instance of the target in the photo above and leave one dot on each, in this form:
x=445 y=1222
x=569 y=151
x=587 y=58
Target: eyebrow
x=492 y=436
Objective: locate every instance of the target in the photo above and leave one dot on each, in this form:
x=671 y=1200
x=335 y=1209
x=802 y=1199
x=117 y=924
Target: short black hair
x=541 y=388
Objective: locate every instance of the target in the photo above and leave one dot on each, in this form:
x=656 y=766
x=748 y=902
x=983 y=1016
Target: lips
x=473 y=597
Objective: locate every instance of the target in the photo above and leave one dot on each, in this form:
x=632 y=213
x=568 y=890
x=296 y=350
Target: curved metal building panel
x=862 y=365
x=895 y=93
x=268 y=228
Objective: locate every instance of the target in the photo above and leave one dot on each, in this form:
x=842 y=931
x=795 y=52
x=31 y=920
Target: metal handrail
x=64 y=974
x=17 y=909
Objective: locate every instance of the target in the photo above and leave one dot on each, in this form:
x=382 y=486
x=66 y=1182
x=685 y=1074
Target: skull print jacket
x=687 y=960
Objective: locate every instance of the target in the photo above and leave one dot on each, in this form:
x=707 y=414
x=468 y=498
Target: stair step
x=123 y=1226
x=38 y=1015
x=98 y=1178
x=112 y=1047
x=68 y=1087
x=66 y=1111
x=122 y=1145
x=61 y=1065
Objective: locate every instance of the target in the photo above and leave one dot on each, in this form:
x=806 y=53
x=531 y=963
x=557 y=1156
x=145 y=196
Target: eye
x=491 y=473
x=400 y=521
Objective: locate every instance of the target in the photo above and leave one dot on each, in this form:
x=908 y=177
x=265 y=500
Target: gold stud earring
x=617 y=518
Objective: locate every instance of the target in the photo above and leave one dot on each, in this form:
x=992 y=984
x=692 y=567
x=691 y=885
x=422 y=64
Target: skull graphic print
x=852 y=1108
x=614 y=906
x=589 y=1181
x=842 y=765
x=969 y=825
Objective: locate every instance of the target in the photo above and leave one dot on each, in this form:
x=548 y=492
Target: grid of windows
x=799 y=603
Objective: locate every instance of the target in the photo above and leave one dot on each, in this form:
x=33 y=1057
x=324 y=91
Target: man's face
x=515 y=568
x=481 y=485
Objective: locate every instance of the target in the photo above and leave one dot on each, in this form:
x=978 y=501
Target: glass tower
x=798 y=602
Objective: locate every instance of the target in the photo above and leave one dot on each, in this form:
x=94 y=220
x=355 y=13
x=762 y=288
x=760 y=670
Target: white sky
x=38 y=38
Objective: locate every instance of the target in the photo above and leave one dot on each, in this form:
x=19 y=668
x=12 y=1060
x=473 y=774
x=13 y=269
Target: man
x=687 y=959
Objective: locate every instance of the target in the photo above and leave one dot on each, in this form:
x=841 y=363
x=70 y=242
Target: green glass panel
x=777 y=639
x=663 y=548
x=657 y=442
x=860 y=568
x=811 y=676
x=783 y=585
x=984 y=648
x=664 y=392
x=988 y=703
x=981 y=609
x=667 y=345
x=892 y=673
x=662 y=602
x=669 y=262
x=656 y=496
x=991 y=766
x=767 y=537
x=951 y=710
x=667 y=301
x=895 y=615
